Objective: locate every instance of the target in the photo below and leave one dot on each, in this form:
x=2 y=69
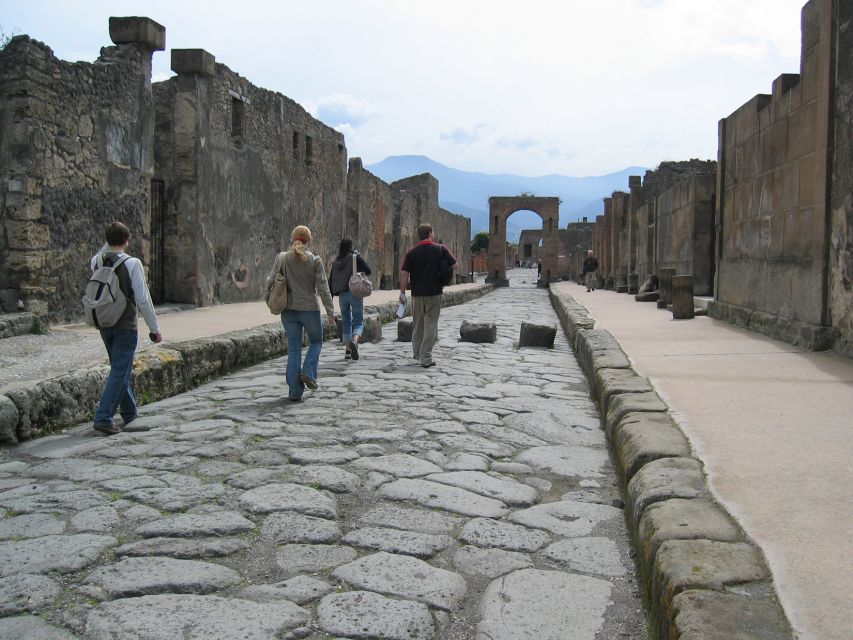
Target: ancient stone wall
x=685 y=230
x=841 y=231
x=528 y=245
x=242 y=166
x=76 y=153
x=619 y=237
x=369 y=222
x=772 y=205
x=455 y=233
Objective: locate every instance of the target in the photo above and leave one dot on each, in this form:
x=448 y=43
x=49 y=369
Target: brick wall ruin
x=209 y=171
x=76 y=153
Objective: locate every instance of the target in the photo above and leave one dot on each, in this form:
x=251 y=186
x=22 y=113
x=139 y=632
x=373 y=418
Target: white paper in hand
x=401 y=311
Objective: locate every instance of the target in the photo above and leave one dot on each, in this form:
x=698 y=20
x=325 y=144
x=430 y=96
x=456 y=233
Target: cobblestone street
x=474 y=499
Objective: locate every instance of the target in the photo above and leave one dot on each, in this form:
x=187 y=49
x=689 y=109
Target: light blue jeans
x=352 y=316
x=294 y=322
x=121 y=345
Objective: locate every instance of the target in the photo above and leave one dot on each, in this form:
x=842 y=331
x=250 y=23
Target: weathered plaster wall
x=76 y=153
x=772 y=187
x=841 y=229
x=242 y=166
x=578 y=240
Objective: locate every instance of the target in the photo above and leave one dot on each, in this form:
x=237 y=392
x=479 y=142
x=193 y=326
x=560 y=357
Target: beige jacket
x=305 y=281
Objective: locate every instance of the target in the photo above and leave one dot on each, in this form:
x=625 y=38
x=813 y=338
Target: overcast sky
x=576 y=87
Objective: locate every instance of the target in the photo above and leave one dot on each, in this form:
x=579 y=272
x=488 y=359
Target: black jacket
x=590 y=264
x=342 y=271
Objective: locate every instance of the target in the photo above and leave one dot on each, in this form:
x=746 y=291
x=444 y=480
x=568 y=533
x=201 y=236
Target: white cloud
x=339 y=109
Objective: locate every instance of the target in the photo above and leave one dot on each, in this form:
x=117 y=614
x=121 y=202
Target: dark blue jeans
x=294 y=322
x=121 y=345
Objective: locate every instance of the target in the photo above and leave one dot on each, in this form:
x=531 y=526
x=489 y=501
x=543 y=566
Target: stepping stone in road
x=482 y=332
x=404 y=330
x=536 y=335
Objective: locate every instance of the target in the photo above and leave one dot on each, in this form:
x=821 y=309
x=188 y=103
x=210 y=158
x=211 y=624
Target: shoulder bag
x=276 y=297
x=359 y=284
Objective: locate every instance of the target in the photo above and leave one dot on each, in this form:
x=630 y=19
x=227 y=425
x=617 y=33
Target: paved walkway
x=27 y=359
x=395 y=502
x=773 y=426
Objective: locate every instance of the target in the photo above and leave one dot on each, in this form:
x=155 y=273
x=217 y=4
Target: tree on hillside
x=481 y=241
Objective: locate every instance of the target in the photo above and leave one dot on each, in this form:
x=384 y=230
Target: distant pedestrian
x=306 y=279
x=121 y=339
x=590 y=266
x=425 y=264
x=538 y=269
x=352 y=307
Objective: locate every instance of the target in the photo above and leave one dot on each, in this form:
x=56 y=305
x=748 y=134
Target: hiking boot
x=107 y=429
x=308 y=382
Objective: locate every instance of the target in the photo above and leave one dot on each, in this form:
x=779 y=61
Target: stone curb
x=703 y=578
x=67 y=400
x=19 y=324
x=811 y=337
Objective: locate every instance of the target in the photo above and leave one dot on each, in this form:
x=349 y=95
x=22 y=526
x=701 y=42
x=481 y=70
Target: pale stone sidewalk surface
x=475 y=499
x=772 y=425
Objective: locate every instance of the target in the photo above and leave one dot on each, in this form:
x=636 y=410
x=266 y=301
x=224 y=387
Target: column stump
x=682 y=297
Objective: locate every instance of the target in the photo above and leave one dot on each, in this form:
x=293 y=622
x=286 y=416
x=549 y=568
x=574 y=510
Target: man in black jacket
x=590 y=266
x=423 y=264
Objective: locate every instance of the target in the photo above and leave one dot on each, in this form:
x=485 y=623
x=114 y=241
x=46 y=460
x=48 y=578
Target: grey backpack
x=104 y=302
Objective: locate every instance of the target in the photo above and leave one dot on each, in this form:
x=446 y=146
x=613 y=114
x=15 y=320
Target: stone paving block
x=404 y=330
x=325 y=477
x=711 y=615
x=335 y=454
x=362 y=614
x=388 y=514
x=567 y=460
x=412 y=543
x=295 y=527
x=566 y=518
x=663 y=479
x=678 y=519
x=310 y=558
x=25 y=592
x=31 y=525
x=588 y=555
x=536 y=335
x=177 y=498
x=476 y=444
x=485 y=532
x=150 y=576
x=479 y=332
x=621 y=405
x=62 y=553
x=612 y=382
x=704 y=564
x=509 y=492
x=432 y=494
x=189 y=525
x=192 y=617
x=299 y=589
x=96 y=520
x=288 y=497
x=184 y=548
x=32 y=628
x=531 y=603
x=406 y=577
x=401 y=465
x=489 y=563
x=639 y=438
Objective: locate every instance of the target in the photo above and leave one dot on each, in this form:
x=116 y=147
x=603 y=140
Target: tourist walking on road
x=590 y=266
x=306 y=279
x=352 y=307
x=425 y=264
x=121 y=338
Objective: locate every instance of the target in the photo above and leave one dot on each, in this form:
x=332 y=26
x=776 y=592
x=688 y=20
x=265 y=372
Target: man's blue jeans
x=352 y=316
x=121 y=345
x=294 y=322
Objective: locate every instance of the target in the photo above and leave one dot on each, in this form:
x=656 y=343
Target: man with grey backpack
x=114 y=296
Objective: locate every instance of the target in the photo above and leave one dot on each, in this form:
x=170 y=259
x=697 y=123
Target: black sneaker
x=427 y=366
x=354 y=350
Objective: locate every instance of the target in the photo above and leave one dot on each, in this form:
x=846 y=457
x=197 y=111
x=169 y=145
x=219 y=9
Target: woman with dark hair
x=352 y=308
x=306 y=279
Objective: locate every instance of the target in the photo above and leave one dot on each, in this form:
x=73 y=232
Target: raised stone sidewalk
x=44 y=404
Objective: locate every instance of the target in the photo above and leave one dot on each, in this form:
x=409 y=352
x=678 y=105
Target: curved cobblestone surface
x=471 y=500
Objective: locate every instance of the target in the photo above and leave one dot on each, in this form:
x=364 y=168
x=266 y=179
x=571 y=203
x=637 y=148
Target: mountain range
x=467 y=192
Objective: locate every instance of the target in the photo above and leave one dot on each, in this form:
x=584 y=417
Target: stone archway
x=501 y=208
